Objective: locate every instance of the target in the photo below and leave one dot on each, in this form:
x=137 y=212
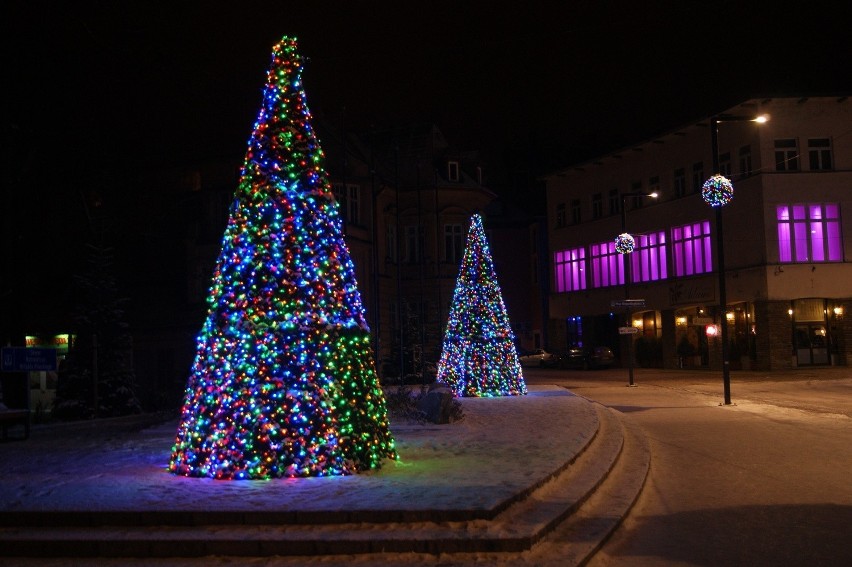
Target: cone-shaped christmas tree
x=284 y=381
x=479 y=356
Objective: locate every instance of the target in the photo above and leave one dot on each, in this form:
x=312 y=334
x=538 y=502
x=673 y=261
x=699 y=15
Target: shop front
x=814 y=326
x=43 y=383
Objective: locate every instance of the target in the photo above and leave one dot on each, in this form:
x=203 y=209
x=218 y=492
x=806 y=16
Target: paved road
x=766 y=480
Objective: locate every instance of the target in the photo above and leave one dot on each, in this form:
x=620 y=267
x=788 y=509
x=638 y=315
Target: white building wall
x=754 y=273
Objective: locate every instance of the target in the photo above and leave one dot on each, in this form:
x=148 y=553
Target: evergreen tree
x=98 y=372
x=284 y=382
x=479 y=356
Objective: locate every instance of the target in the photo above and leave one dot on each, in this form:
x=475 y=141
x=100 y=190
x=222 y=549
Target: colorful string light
x=717 y=191
x=624 y=243
x=479 y=357
x=284 y=381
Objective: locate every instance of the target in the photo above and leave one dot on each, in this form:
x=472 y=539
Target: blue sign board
x=23 y=359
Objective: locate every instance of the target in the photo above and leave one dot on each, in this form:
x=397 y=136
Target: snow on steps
x=562 y=520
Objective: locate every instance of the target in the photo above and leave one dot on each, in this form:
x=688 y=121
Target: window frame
x=576 y=211
x=820 y=155
x=391 y=244
x=614 y=202
x=809 y=233
x=561 y=215
x=569 y=270
x=597 y=205
x=679 y=182
x=648 y=261
x=453 y=242
x=654 y=184
x=606 y=265
x=786 y=154
x=698 y=178
x=692 y=249
x=453 y=170
x=725 y=164
x=348 y=197
x=413 y=243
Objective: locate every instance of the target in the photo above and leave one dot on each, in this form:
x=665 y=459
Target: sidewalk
x=760 y=482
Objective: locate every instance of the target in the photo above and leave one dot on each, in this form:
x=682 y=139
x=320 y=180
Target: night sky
x=98 y=93
x=92 y=85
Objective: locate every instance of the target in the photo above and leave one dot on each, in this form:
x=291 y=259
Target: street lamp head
x=719 y=118
x=640 y=194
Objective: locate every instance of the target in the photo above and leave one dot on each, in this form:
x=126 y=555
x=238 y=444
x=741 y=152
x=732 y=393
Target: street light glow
x=761 y=119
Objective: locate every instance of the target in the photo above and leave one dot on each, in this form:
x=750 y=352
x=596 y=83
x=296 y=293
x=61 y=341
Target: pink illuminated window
x=570 y=269
x=607 y=265
x=809 y=233
x=648 y=259
x=691 y=252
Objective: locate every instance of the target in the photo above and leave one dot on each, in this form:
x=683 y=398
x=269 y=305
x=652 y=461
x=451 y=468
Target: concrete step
x=568 y=516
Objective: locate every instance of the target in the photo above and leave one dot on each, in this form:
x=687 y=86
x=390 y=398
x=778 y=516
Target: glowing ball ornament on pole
x=717 y=191
x=284 y=381
x=624 y=243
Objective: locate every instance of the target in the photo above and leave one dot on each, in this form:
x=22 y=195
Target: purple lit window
x=691 y=251
x=648 y=259
x=570 y=268
x=809 y=233
x=607 y=265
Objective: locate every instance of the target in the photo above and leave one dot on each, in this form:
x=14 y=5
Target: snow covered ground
x=502 y=446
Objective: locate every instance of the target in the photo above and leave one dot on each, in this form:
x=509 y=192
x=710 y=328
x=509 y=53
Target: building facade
x=406 y=197
x=787 y=254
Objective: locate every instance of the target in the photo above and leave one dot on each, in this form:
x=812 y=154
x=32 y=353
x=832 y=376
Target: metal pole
x=628 y=315
x=720 y=252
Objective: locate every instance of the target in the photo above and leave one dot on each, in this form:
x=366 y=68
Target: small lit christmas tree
x=479 y=356
x=284 y=381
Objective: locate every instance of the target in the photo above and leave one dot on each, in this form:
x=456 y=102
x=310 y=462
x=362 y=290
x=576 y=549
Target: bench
x=14 y=404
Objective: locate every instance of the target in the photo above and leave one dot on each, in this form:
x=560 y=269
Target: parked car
x=588 y=358
x=538 y=357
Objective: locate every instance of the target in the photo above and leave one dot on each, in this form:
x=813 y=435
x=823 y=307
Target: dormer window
x=453 y=170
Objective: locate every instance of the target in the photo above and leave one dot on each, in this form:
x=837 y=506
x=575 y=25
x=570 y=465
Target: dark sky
x=95 y=83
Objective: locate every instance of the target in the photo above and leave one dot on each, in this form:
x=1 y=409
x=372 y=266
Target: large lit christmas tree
x=479 y=356
x=284 y=381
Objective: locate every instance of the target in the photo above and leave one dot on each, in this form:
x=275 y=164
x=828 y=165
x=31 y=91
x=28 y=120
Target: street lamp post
x=720 y=261
x=627 y=276
x=720 y=248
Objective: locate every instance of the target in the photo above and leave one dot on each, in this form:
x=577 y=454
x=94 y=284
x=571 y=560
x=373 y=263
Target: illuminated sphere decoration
x=624 y=243
x=479 y=357
x=717 y=191
x=284 y=382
